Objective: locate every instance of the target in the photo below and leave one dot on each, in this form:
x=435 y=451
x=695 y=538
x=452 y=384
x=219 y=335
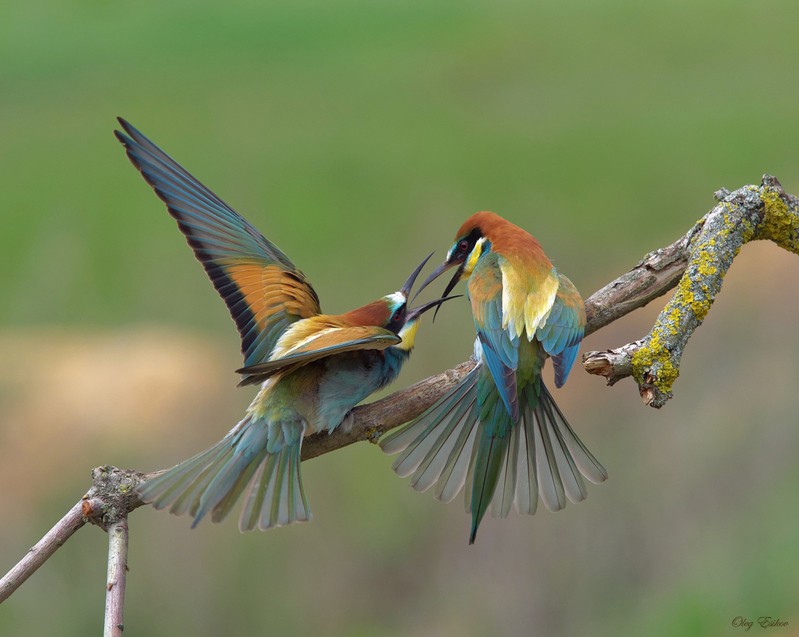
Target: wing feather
x=500 y=348
x=325 y=342
x=261 y=287
x=564 y=329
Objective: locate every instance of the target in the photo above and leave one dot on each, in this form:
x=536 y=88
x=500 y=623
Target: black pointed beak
x=418 y=311
x=452 y=283
x=454 y=280
x=434 y=275
x=437 y=273
x=408 y=285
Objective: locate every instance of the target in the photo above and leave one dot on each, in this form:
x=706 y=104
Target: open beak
x=416 y=312
x=408 y=285
x=437 y=273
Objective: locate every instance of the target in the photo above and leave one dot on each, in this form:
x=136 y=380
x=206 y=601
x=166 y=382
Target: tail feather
x=544 y=459
x=487 y=468
x=570 y=478
x=455 y=473
x=428 y=423
x=538 y=457
x=247 y=449
x=434 y=461
x=226 y=503
x=256 y=496
x=526 y=495
x=280 y=508
x=506 y=487
x=551 y=486
x=213 y=481
x=187 y=501
x=435 y=447
x=276 y=503
x=587 y=464
x=300 y=509
x=492 y=450
x=276 y=496
x=180 y=488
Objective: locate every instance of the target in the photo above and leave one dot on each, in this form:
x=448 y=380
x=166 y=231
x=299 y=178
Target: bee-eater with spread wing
x=499 y=432
x=313 y=367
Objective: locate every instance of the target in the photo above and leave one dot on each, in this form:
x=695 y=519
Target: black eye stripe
x=465 y=245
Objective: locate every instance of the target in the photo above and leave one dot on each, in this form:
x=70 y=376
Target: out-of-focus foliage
x=357 y=136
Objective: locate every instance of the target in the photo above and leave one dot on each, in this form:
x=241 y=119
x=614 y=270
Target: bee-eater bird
x=313 y=367
x=498 y=429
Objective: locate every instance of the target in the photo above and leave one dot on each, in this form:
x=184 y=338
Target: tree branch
x=696 y=263
x=116 y=578
x=42 y=550
x=107 y=503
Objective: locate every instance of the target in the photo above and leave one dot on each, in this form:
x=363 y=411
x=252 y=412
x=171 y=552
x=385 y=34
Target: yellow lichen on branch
x=751 y=212
x=780 y=224
x=652 y=365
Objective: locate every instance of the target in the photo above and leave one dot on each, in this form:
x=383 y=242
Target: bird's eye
x=395 y=318
x=463 y=246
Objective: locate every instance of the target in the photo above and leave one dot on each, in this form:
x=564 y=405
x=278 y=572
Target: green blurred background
x=358 y=136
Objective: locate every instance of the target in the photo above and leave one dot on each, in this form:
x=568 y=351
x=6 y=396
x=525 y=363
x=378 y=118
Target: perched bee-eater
x=313 y=367
x=499 y=430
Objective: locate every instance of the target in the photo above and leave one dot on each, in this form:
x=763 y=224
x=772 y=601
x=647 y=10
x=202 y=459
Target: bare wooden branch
x=613 y=364
x=657 y=273
x=117 y=577
x=42 y=550
x=108 y=502
x=696 y=263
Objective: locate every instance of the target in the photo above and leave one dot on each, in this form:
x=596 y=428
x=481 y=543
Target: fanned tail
x=544 y=459
x=213 y=480
x=436 y=447
x=538 y=456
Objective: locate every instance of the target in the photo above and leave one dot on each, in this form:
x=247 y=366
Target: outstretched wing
x=261 y=287
x=321 y=344
x=564 y=329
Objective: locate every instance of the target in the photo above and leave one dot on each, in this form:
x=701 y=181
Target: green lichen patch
x=780 y=224
x=652 y=364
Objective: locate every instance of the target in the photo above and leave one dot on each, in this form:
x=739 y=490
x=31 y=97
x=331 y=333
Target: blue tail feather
x=213 y=480
x=494 y=438
x=436 y=447
x=467 y=438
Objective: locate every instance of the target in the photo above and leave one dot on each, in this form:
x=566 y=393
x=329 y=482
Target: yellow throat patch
x=408 y=335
